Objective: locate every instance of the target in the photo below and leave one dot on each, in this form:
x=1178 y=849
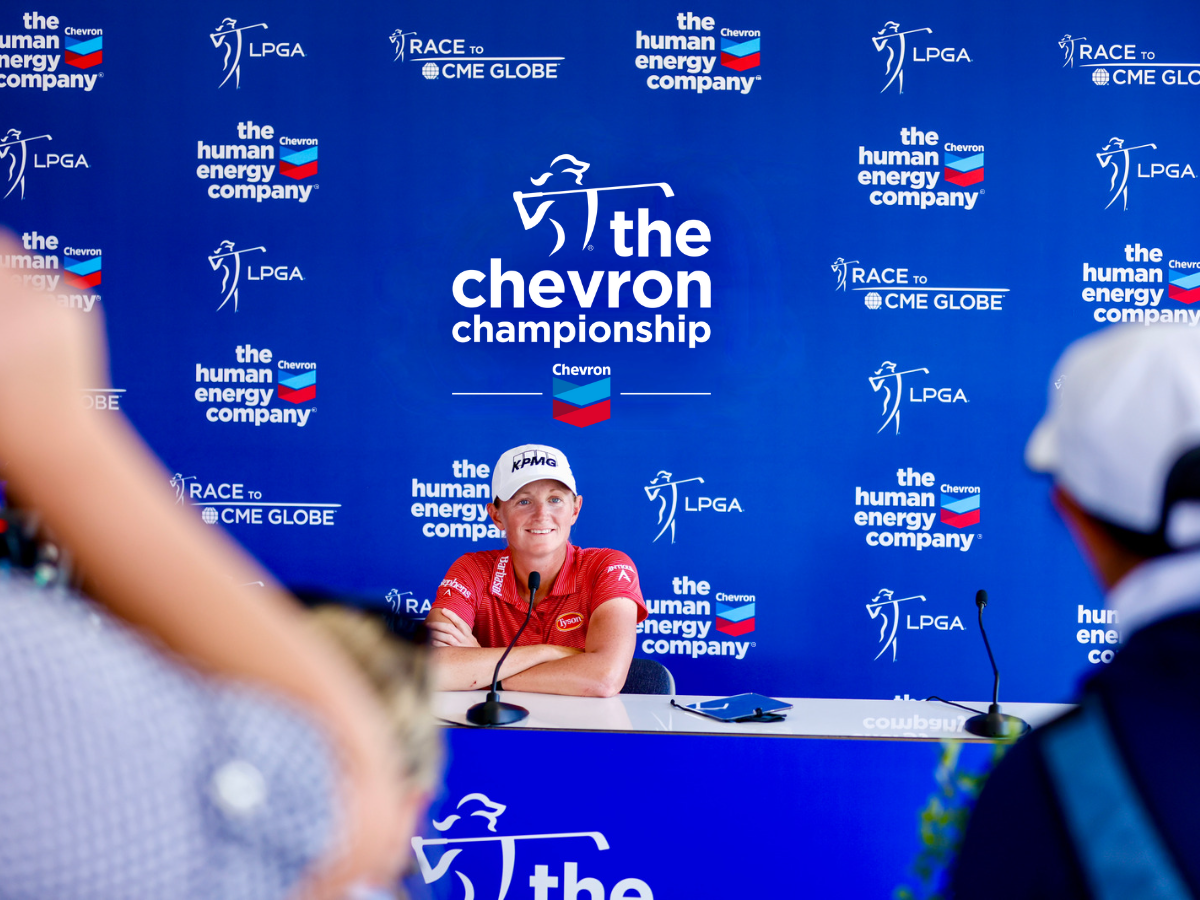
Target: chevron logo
x=960 y=512
x=964 y=170
x=739 y=56
x=298 y=388
x=582 y=404
x=735 y=620
x=1184 y=287
x=81 y=273
x=298 y=163
x=84 y=54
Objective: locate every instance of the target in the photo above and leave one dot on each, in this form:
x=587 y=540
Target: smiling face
x=538 y=518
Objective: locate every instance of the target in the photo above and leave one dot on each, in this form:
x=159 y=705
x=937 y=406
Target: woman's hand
x=453 y=632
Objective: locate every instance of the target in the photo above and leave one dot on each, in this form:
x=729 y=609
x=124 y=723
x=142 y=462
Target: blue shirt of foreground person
x=583 y=628
x=1103 y=802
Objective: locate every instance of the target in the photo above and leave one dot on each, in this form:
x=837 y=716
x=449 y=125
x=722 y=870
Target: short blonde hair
x=399 y=672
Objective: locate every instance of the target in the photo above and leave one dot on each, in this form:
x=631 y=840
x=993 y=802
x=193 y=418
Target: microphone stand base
x=492 y=712
x=996 y=724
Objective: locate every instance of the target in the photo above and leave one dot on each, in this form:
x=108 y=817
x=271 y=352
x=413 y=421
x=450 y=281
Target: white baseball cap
x=529 y=462
x=1124 y=406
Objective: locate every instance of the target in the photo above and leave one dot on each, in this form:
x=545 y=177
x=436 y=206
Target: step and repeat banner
x=784 y=281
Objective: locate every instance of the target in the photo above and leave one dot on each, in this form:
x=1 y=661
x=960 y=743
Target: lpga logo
x=885 y=604
x=229 y=36
x=668 y=502
x=397 y=38
x=17 y=159
x=1116 y=154
x=893 y=391
x=1067 y=44
x=891 y=38
x=840 y=268
x=577 y=167
x=229 y=262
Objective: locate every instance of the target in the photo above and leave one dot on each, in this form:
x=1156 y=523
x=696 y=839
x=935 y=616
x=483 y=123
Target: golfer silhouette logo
x=490 y=812
x=179 y=482
x=1067 y=44
x=13 y=148
x=882 y=605
x=668 y=502
x=841 y=268
x=397 y=38
x=573 y=167
x=229 y=262
x=893 y=392
x=229 y=36
x=891 y=38
x=1116 y=154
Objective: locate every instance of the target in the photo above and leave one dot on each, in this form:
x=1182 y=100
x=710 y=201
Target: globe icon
x=209 y=516
x=873 y=301
x=430 y=71
x=1100 y=76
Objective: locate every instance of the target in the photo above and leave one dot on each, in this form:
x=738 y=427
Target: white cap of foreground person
x=528 y=463
x=1123 y=414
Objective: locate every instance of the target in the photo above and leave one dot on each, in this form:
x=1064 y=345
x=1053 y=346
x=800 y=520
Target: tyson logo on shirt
x=569 y=621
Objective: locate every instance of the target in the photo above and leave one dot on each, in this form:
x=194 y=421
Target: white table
x=810 y=717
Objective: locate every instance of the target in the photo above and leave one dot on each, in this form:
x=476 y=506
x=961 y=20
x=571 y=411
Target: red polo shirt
x=482 y=590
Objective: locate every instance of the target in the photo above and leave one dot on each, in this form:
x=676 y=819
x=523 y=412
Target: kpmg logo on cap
x=533 y=458
x=693 y=55
x=227 y=39
x=959 y=511
x=902 y=288
x=1116 y=155
x=895 y=42
x=582 y=404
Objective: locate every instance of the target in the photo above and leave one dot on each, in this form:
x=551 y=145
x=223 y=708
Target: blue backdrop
x=885 y=221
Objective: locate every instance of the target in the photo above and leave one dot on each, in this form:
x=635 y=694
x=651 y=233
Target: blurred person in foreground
x=175 y=736
x=583 y=627
x=1103 y=802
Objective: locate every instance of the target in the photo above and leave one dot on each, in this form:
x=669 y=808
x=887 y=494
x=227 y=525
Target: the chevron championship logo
x=964 y=170
x=82 y=273
x=960 y=511
x=582 y=404
x=740 y=55
x=1184 y=286
x=735 y=620
x=299 y=162
x=298 y=388
x=84 y=54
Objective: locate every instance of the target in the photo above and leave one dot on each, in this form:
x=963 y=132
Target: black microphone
x=995 y=724
x=491 y=711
